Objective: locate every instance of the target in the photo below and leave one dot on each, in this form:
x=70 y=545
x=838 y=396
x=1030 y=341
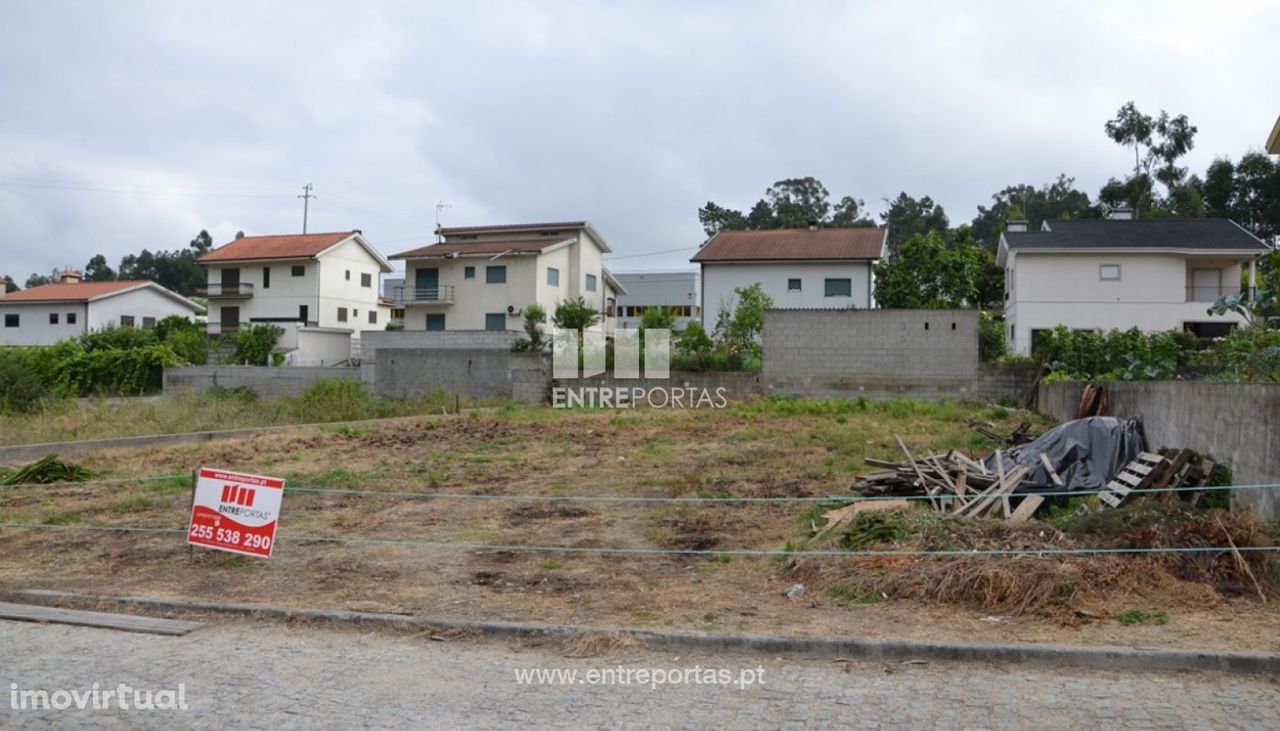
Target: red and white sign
x=235 y=512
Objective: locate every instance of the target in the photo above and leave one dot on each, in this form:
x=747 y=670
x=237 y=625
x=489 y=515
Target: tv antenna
x=440 y=205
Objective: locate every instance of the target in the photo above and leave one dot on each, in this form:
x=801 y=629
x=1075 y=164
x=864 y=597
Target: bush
x=118 y=338
x=114 y=372
x=1248 y=354
x=336 y=399
x=991 y=341
x=1122 y=355
x=253 y=344
x=23 y=385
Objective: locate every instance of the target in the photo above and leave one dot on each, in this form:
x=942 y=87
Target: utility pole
x=306 y=197
x=440 y=205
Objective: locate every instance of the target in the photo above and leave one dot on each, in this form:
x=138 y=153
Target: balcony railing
x=1211 y=293
x=243 y=290
x=421 y=295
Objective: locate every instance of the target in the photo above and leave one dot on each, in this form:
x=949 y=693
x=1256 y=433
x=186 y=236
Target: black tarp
x=1086 y=453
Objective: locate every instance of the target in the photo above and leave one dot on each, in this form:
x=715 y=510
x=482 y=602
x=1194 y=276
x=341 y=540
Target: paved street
x=270 y=676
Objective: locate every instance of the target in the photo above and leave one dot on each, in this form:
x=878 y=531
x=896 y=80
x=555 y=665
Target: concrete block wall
x=736 y=385
x=372 y=341
x=262 y=380
x=1237 y=424
x=474 y=373
x=908 y=346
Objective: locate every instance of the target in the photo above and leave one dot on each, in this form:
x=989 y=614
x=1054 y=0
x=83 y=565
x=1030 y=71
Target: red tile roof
x=788 y=244
x=71 y=292
x=518 y=246
x=514 y=227
x=289 y=246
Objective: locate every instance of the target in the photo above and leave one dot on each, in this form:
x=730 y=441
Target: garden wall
x=262 y=380
x=1234 y=423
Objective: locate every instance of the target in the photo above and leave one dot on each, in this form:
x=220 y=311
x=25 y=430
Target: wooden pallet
x=1139 y=474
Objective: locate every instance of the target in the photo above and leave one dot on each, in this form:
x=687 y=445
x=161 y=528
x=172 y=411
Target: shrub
x=336 y=399
x=23 y=386
x=253 y=344
x=991 y=342
x=118 y=338
x=659 y=318
x=574 y=314
x=114 y=372
x=1125 y=355
x=535 y=315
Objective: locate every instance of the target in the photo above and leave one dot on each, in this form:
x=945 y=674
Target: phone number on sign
x=229 y=537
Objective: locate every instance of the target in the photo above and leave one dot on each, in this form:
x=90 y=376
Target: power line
x=653 y=253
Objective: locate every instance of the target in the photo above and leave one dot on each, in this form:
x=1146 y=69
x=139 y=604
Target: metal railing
x=226 y=291
x=1212 y=292
x=443 y=294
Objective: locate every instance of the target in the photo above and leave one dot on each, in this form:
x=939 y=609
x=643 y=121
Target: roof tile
x=288 y=246
x=793 y=243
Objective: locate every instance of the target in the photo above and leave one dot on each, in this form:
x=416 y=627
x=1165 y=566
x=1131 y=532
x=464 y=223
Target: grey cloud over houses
x=632 y=115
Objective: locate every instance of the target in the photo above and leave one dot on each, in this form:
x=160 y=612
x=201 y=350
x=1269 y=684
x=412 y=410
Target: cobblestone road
x=271 y=676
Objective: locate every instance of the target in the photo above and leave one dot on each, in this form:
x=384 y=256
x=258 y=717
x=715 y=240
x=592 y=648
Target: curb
x=1101 y=657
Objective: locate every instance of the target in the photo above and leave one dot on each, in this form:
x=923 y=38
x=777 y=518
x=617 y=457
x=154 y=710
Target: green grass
x=1142 y=616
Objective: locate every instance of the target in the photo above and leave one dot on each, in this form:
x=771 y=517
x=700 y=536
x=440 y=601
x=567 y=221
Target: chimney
x=1121 y=214
x=813 y=226
x=69 y=276
x=1017 y=225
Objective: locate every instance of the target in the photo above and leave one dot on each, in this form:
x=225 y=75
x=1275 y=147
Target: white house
x=827 y=268
x=322 y=288
x=675 y=290
x=71 y=307
x=481 y=277
x=1120 y=273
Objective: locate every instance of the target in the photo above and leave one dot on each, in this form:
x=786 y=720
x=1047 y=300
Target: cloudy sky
x=130 y=125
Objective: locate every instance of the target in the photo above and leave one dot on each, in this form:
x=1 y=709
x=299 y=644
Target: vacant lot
x=518 y=458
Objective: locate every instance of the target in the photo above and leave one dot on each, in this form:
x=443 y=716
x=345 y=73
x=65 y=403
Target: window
x=591 y=282
x=435 y=322
x=495 y=321
x=11 y=320
x=366 y=279
x=553 y=276
x=837 y=288
x=71 y=318
x=53 y=318
x=793 y=285
x=266 y=277
x=468 y=272
x=302 y=313
x=299 y=270
x=495 y=275
x=342 y=314
x=126 y=321
x=373 y=317
x=348 y=276
x=1109 y=272
x=355 y=314
x=148 y=322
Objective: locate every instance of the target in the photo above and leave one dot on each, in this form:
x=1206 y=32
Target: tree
x=848 y=214
x=929 y=274
x=177 y=270
x=658 y=318
x=39 y=280
x=534 y=318
x=907 y=217
x=1177 y=137
x=1219 y=188
x=1051 y=201
x=203 y=241
x=9 y=284
x=798 y=202
x=97 y=270
x=1131 y=127
x=789 y=203
x=742 y=329
x=715 y=219
x=574 y=314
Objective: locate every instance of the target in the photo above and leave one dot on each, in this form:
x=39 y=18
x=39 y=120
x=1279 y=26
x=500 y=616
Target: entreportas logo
x=578 y=355
x=238 y=495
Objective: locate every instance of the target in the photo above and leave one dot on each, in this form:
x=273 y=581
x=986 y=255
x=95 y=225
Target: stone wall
x=1237 y=424
x=262 y=380
x=885 y=346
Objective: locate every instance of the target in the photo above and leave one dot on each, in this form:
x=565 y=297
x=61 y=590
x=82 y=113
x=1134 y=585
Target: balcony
x=1211 y=293
x=240 y=291
x=442 y=295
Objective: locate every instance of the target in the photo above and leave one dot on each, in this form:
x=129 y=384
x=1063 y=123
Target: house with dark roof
x=1120 y=273
x=481 y=277
x=802 y=268
x=71 y=307
x=322 y=288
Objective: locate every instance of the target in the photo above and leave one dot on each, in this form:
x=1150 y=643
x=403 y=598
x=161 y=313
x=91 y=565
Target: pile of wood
x=955 y=483
x=1021 y=435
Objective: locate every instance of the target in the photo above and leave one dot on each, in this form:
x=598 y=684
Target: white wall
x=473 y=298
x=140 y=303
x=281 y=300
x=33 y=323
x=1051 y=289
x=337 y=290
x=720 y=280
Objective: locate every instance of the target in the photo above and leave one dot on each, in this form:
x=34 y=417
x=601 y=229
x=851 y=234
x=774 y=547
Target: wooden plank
x=979 y=505
x=105 y=620
x=1053 y=474
x=1026 y=508
x=924 y=484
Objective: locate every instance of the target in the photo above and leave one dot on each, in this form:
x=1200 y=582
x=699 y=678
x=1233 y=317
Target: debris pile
x=1097 y=454
x=45 y=471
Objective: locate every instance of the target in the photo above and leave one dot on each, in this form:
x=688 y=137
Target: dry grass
x=595 y=644
x=752 y=449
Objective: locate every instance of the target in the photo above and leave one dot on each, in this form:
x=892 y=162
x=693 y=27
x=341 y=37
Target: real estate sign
x=235 y=512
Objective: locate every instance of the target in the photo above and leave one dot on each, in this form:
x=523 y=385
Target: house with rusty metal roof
x=482 y=277
x=321 y=288
x=71 y=307
x=800 y=268
x=1120 y=272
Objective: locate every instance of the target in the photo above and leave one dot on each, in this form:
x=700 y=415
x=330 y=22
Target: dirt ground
x=756 y=449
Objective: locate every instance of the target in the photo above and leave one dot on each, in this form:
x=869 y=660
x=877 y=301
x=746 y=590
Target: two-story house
x=802 y=268
x=481 y=277
x=322 y=288
x=71 y=307
x=1120 y=273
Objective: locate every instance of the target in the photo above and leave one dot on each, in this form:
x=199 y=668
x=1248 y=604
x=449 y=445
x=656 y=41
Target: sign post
x=235 y=512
